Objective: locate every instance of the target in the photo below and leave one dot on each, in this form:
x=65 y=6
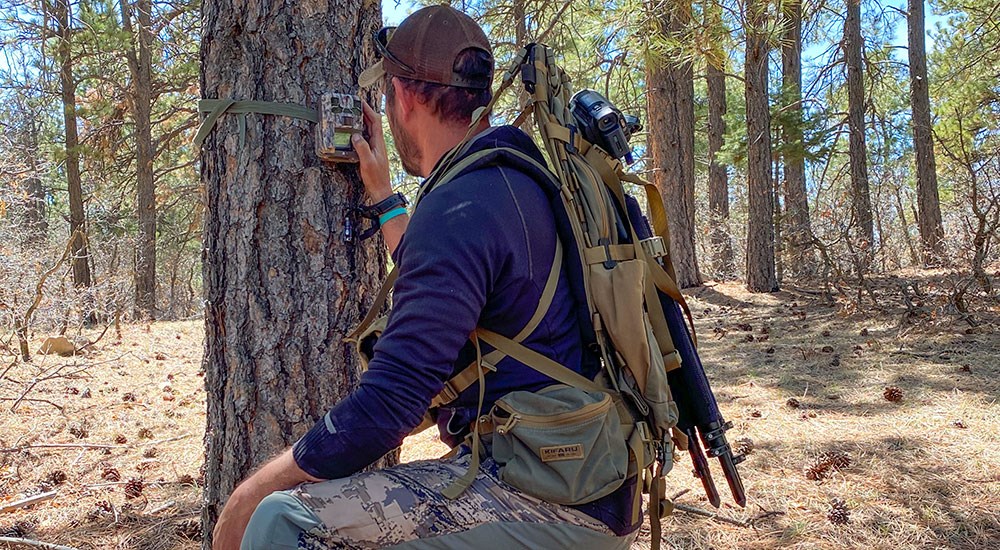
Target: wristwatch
x=394 y=201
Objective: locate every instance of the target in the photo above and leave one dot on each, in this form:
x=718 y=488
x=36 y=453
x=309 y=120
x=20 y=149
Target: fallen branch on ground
x=93 y=445
x=56 y=405
x=711 y=515
x=35 y=543
x=34 y=499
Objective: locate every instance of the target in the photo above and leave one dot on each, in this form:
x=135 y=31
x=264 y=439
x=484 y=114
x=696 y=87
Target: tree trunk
x=797 y=226
x=718 y=178
x=860 y=193
x=77 y=216
x=671 y=141
x=282 y=286
x=760 y=275
x=928 y=203
x=140 y=66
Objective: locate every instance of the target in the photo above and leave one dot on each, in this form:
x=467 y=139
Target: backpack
x=628 y=309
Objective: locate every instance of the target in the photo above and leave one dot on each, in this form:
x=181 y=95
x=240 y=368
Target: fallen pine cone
x=793 y=403
x=134 y=487
x=893 y=394
x=826 y=463
x=111 y=474
x=743 y=446
x=56 y=477
x=18 y=530
x=839 y=513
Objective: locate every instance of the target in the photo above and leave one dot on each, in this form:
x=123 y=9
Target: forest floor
x=116 y=434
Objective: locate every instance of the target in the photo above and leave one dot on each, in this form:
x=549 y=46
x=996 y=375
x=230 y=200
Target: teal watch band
x=399 y=211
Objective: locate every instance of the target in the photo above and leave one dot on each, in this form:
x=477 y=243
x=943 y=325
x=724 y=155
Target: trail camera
x=339 y=117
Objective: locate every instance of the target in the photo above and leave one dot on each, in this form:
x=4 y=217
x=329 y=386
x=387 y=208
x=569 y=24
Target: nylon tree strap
x=218 y=107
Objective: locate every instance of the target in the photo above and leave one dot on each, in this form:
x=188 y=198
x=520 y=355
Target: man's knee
x=277 y=523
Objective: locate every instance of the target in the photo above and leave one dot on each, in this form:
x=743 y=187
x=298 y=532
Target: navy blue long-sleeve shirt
x=477 y=252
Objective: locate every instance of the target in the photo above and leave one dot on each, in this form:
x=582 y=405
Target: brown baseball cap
x=425 y=47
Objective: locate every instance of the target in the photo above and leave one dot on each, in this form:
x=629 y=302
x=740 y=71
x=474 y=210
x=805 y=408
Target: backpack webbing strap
x=373 y=311
x=537 y=361
x=460 y=485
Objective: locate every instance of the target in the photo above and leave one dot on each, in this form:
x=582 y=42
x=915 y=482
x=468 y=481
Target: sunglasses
x=382 y=37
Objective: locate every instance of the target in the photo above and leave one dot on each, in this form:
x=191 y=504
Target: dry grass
x=159 y=367
x=923 y=471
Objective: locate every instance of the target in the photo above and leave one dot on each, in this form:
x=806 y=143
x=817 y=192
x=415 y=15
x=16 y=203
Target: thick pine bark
x=718 y=178
x=796 y=220
x=928 y=203
x=140 y=67
x=860 y=193
x=670 y=85
x=760 y=272
x=74 y=185
x=282 y=286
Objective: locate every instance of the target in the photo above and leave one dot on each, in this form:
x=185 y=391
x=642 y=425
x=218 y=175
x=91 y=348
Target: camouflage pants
x=402 y=507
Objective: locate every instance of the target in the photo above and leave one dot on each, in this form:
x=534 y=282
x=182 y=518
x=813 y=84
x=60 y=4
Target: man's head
x=438 y=68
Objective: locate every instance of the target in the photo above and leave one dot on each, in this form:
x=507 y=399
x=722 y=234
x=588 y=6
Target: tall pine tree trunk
x=797 y=226
x=36 y=224
x=928 y=203
x=760 y=273
x=74 y=183
x=670 y=85
x=718 y=178
x=860 y=193
x=282 y=286
x=140 y=66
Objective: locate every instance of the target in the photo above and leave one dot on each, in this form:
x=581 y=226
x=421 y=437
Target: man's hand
x=277 y=475
x=372 y=156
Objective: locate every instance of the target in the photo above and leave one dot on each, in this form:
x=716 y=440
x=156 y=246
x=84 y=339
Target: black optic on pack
x=602 y=124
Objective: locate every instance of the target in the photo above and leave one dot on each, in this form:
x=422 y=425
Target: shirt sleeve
x=450 y=256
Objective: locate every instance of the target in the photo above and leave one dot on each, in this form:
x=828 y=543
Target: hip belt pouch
x=562 y=444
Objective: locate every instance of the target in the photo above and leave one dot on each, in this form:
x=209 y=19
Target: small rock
x=827 y=349
x=85 y=394
x=835 y=362
x=769 y=351
x=864 y=333
x=825 y=333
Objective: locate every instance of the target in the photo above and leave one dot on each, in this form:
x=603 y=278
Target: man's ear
x=405 y=99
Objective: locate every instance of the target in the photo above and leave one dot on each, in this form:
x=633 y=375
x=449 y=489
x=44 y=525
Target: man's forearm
x=279 y=474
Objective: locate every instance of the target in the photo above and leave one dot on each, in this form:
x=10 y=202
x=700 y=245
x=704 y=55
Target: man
x=477 y=252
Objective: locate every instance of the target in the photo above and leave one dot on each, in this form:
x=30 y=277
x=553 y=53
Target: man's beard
x=409 y=154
